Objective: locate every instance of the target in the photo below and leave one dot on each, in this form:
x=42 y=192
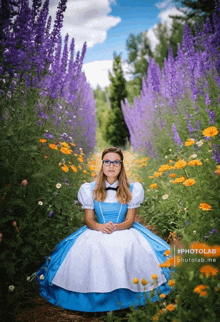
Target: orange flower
x=179 y=180
x=217 y=171
x=158 y=174
x=171 y=283
x=205 y=249
x=154 y=277
x=201 y=289
x=209 y=270
x=42 y=140
x=162 y=296
x=167 y=252
x=189 y=142
x=164 y=167
x=74 y=168
x=135 y=280
x=65 y=168
x=53 y=146
x=66 y=151
x=93 y=174
x=151 y=177
x=66 y=145
x=210 y=131
x=205 y=206
x=180 y=164
x=154 y=185
x=189 y=182
x=172 y=175
x=195 y=162
x=144 y=281
x=45 y=156
x=171 y=262
x=170 y=307
x=80 y=158
x=72 y=144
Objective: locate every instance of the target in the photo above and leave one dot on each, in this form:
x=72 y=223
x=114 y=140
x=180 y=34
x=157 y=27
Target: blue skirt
x=99 y=302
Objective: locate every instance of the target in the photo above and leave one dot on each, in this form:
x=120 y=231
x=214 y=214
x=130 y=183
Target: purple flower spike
x=48 y=135
x=50 y=214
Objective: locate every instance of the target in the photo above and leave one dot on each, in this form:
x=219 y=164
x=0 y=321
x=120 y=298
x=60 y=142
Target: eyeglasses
x=116 y=163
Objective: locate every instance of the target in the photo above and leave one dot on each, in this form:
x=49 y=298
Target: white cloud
x=164 y=17
x=97 y=72
x=86 y=20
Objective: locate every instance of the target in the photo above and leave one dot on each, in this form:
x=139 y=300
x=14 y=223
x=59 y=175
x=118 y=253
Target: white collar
x=113 y=185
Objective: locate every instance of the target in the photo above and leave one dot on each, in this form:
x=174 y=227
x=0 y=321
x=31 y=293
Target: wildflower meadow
x=48 y=149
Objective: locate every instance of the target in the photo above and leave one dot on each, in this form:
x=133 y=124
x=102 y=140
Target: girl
x=97 y=267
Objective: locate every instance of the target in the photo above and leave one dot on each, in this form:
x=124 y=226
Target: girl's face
x=111 y=171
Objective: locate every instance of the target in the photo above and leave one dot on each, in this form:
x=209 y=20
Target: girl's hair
x=123 y=194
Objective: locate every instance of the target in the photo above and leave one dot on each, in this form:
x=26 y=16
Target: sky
x=105 y=26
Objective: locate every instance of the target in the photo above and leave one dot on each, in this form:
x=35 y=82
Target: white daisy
x=58 y=185
x=40 y=203
x=165 y=197
x=193 y=156
x=11 y=288
x=199 y=143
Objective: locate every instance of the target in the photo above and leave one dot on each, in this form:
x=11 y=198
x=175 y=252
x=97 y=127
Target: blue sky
x=105 y=25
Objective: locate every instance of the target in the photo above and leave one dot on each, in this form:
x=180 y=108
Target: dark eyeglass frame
x=108 y=165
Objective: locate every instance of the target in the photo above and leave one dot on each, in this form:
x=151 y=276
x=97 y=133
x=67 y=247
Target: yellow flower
x=139 y=180
x=93 y=174
x=170 y=307
x=209 y=270
x=65 y=168
x=205 y=206
x=171 y=262
x=189 y=142
x=66 y=151
x=79 y=166
x=72 y=144
x=80 y=158
x=154 y=185
x=139 y=166
x=136 y=175
x=84 y=171
x=172 y=175
x=195 y=162
x=164 y=167
x=210 y=131
x=135 y=280
x=144 y=281
x=75 y=154
x=151 y=177
x=180 y=164
x=171 y=283
x=189 y=182
x=158 y=174
x=42 y=140
x=162 y=296
x=179 y=180
x=154 y=277
x=53 y=146
x=66 y=145
x=74 y=168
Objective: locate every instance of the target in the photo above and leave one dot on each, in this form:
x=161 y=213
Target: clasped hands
x=107 y=228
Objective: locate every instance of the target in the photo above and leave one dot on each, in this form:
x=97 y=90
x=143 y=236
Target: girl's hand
x=107 y=228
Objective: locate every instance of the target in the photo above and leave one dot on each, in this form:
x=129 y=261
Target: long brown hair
x=123 y=194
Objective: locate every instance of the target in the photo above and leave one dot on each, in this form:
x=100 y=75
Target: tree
x=198 y=10
x=139 y=52
x=116 y=130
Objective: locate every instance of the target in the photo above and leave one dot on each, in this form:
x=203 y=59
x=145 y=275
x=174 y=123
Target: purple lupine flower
x=211 y=117
x=48 y=135
x=216 y=152
x=207 y=100
x=175 y=134
x=213 y=231
x=50 y=214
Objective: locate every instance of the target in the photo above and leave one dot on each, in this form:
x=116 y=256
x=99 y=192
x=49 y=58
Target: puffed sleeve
x=85 y=196
x=137 y=196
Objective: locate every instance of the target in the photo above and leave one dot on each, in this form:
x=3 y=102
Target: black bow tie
x=110 y=188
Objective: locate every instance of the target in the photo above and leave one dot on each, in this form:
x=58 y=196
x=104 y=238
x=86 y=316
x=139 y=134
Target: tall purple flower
x=176 y=135
x=216 y=152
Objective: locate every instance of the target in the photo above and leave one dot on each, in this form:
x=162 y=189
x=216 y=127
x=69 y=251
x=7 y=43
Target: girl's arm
x=129 y=220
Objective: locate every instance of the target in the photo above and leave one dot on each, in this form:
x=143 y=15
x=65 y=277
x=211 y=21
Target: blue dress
x=91 y=271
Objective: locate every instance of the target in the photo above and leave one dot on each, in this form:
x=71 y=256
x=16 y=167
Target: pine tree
x=116 y=130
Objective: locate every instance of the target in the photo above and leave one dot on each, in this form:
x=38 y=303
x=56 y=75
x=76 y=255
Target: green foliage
x=116 y=130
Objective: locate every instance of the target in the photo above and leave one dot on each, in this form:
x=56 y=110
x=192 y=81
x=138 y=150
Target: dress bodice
x=106 y=211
